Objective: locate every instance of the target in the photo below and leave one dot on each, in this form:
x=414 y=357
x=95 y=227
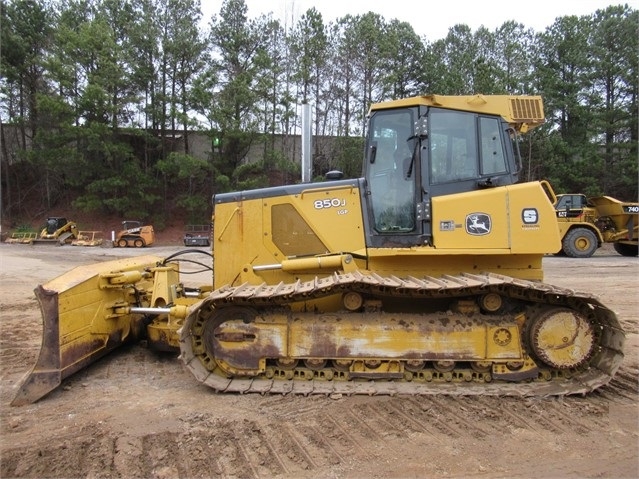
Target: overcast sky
x=429 y=18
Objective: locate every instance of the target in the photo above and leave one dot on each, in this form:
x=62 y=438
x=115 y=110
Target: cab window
x=453 y=146
x=493 y=159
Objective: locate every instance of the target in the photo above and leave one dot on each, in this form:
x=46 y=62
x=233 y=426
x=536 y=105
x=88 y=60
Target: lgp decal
x=478 y=224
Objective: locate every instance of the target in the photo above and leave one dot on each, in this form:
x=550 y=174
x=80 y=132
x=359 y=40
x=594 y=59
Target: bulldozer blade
x=84 y=317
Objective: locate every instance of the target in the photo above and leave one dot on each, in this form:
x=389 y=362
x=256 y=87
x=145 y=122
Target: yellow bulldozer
x=586 y=223
x=423 y=276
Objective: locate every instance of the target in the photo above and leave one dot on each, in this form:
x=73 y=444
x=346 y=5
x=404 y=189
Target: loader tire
x=138 y=243
x=122 y=243
x=580 y=243
x=625 y=249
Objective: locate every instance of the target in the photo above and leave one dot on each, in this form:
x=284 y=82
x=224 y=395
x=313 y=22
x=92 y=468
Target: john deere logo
x=478 y=224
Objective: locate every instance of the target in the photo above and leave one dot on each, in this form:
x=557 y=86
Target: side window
x=453 y=146
x=392 y=190
x=572 y=202
x=563 y=202
x=493 y=159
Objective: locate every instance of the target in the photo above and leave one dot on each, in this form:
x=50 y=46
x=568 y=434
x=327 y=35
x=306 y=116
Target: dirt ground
x=139 y=414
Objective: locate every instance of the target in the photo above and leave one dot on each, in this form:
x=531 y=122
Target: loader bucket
x=84 y=317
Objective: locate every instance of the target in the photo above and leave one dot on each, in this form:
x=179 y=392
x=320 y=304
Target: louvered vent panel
x=527 y=110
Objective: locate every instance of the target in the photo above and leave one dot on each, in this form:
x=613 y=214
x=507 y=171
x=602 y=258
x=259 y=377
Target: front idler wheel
x=221 y=340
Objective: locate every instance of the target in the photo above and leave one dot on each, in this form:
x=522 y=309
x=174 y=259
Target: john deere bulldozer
x=423 y=276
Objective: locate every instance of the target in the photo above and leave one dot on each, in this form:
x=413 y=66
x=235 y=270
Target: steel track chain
x=601 y=368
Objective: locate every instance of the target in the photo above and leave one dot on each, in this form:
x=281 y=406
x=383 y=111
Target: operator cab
x=415 y=153
x=131 y=226
x=571 y=206
x=54 y=224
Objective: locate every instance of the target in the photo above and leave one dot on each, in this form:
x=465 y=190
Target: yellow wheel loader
x=424 y=276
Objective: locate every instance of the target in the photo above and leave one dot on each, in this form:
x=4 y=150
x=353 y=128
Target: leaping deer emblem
x=478 y=224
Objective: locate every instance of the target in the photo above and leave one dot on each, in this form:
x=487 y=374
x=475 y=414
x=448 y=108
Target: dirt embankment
x=140 y=414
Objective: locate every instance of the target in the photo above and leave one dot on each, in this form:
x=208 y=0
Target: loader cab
x=415 y=153
x=129 y=225
x=54 y=224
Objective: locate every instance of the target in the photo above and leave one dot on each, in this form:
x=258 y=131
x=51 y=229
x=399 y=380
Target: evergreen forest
x=99 y=97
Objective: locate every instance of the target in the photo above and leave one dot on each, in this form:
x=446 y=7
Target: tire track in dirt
x=456 y=416
x=97 y=460
x=297 y=451
x=263 y=450
x=256 y=444
x=128 y=456
x=510 y=417
x=229 y=457
x=196 y=457
x=316 y=446
x=553 y=418
x=626 y=384
x=390 y=418
x=426 y=417
x=355 y=423
x=70 y=455
x=619 y=393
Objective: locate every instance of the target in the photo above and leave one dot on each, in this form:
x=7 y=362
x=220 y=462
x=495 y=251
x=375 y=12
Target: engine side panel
x=274 y=225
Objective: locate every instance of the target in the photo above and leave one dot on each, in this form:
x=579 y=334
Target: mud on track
x=139 y=414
